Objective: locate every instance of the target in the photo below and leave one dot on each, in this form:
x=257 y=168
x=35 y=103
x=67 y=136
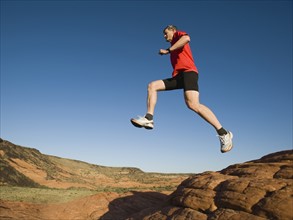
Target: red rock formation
x=255 y=190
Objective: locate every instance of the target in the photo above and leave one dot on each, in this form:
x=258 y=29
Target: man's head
x=169 y=32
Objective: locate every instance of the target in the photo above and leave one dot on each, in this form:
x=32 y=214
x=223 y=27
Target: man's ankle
x=222 y=131
x=149 y=116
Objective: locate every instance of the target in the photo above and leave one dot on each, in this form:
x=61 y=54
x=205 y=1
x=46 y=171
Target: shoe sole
x=136 y=124
x=225 y=151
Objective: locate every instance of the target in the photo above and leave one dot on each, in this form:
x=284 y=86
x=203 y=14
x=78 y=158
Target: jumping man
x=184 y=76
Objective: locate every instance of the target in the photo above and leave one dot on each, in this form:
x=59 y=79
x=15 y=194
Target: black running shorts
x=184 y=80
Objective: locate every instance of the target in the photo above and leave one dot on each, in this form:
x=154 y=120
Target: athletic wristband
x=169 y=50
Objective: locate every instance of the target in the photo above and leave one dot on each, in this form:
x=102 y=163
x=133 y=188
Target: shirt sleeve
x=178 y=35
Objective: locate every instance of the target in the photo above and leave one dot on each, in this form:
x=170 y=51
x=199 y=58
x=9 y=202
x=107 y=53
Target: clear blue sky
x=73 y=73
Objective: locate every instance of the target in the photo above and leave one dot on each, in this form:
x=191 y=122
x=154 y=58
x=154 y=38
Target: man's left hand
x=163 y=52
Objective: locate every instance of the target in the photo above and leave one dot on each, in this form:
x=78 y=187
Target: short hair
x=170 y=27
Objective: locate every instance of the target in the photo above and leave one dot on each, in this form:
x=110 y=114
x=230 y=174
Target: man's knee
x=151 y=86
x=155 y=86
x=192 y=100
x=192 y=105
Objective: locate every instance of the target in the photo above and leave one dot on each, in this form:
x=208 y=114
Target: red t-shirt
x=181 y=59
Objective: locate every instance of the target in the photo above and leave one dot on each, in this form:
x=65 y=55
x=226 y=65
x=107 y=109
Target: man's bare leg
x=147 y=121
x=192 y=101
x=152 y=97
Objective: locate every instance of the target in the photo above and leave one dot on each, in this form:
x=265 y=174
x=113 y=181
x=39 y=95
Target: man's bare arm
x=179 y=44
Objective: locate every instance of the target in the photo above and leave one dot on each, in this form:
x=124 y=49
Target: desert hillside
x=41 y=187
x=27 y=167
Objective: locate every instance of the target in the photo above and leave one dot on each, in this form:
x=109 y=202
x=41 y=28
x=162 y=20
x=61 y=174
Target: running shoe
x=140 y=122
x=226 y=142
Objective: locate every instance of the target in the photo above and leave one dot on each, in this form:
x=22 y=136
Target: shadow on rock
x=122 y=208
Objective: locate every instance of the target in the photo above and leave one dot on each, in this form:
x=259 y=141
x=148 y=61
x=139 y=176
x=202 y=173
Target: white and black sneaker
x=226 y=142
x=142 y=122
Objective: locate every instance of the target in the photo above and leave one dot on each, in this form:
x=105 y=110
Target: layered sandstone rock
x=255 y=190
